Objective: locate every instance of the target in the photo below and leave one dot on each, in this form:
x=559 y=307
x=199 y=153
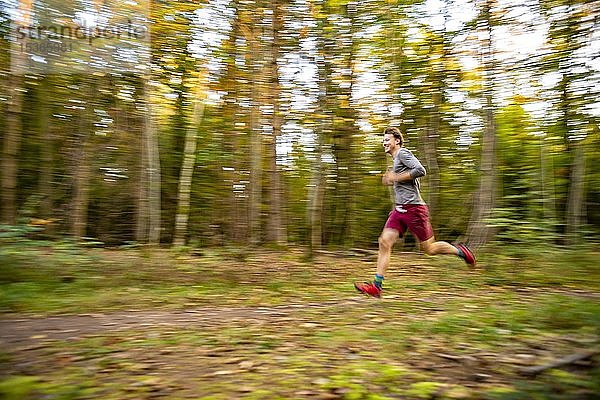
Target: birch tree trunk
x=187 y=168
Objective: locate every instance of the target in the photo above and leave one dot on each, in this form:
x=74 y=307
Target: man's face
x=390 y=143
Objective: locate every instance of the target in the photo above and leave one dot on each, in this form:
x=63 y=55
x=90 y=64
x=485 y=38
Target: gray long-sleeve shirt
x=407 y=192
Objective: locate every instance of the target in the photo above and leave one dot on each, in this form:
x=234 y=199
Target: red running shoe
x=368 y=288
x=469 y=257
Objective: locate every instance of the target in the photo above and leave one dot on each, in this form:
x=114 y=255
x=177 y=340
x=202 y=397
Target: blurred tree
x=47 y=149
x=230 y=165
x=148 y=221
x=572 y=24
x=479 y=231
x=82 y=160
x=14 y=109
x=322 y=126
x=276 y=225
x=254 y=34
x=337 y=25
x=189 y=159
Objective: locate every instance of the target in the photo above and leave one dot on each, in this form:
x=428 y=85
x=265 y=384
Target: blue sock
x=378 y=281
x=461 y=253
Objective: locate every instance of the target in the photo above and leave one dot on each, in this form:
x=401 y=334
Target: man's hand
x=390 y=177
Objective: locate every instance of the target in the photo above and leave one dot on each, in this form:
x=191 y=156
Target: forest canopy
x=252 y=122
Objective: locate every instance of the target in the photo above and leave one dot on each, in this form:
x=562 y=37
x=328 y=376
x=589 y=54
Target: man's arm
x=390 y=177
x=416 y=169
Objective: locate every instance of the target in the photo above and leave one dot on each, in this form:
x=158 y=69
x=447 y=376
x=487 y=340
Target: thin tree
x=256 y=58
x=82 y=150
x=479 y=230
x=148 y=209
x=189 y=161
x=276 y=225
x=152 y=169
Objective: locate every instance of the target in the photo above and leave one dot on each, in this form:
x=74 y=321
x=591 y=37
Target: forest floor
x=266 y=324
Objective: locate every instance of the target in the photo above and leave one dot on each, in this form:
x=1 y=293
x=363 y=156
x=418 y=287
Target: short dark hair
x=392 y=130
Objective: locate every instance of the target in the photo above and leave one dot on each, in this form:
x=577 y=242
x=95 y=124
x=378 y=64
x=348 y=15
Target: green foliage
x=515 y=229
x=18 y=387
x=351 y=382
x=423 y=390
x=562 y=312
x=15 y=233
x=33 y=387
x=553 y=385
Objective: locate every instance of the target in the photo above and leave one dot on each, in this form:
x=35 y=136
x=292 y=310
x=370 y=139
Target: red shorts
x=415 y=218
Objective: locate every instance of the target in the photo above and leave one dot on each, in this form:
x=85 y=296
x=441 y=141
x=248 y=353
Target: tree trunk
x=575 y=202
x=14 y=109
x=148 y=203
x=232 y=216
x=47 y=154
x=10 y=150
x=342 y=230
x=277 y=230
x=187 y=168
x=81 y=186
x=479 y=231
x=142 y=203
x=153 y=168
x=430 y=144
x=316 y=196
x=82 y=172
x=316 y=189
x=255 y=178
x=547 y=188
x=256 y=145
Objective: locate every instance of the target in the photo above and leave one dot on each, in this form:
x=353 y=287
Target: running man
x=410 y=213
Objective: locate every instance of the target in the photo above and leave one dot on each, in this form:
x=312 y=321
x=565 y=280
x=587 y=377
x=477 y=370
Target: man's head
x=392 y=140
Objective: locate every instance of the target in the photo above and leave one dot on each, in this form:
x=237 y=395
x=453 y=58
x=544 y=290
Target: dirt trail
x=146 y=353
x=27 y=331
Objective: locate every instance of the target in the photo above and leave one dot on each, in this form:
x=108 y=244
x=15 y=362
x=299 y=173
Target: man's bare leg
x=386 y=242
x=431 y=247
